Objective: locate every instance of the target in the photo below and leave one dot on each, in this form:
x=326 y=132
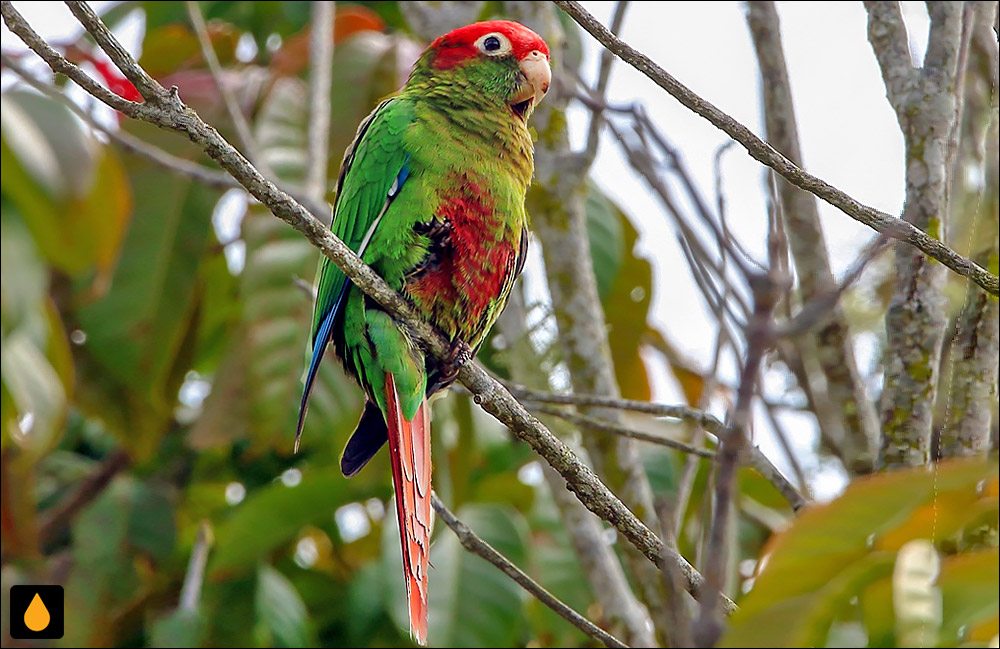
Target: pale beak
x=537 y=77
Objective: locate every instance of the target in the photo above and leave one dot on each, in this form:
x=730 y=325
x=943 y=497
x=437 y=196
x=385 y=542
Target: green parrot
x=430 y=195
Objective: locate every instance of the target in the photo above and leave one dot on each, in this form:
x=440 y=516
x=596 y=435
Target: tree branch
x=194 y=578
x=588 y=424
x=477 y=546
x=61 y=514
x=603 y=76
x=855 y=411
x=759 y=337
x=764 y=153
x=927 y=105
x=600 y=564
x=236 y=115
x=887 y=34
x=320 y=75
x=165 y=109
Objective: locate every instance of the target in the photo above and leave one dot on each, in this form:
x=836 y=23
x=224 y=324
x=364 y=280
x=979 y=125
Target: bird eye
x=494 y=44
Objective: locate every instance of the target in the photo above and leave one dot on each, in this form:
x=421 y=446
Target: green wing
x=371 y=175
x=373 y=171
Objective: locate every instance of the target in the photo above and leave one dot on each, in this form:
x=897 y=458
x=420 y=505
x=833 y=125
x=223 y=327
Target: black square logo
x=36 y=612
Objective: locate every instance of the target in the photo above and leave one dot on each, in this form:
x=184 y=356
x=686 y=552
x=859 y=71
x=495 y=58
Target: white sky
x=849 y=136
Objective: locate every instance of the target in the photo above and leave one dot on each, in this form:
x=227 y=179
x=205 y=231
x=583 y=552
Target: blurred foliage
x=131 y=325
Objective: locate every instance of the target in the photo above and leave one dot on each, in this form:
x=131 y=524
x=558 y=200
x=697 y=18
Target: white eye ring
x=493 y=44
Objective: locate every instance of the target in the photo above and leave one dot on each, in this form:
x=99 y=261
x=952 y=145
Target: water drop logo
x=37 y=617
x=36 y=612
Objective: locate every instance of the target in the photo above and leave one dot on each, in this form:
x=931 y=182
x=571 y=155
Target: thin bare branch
x=764 y=153
x=471 y=542
x=233 y=108
x=622 y=613
x=753 y=456
x=854 y=410
x=815 y=311
x=165 y=109
x=320 y=76
x=557 y=201
x=194 y=578
x=759 y=339
x=62 y=514
x=603 y=76
x=587 y=424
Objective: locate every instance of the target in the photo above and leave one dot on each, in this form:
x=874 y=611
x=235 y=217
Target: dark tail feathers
x=367 y=439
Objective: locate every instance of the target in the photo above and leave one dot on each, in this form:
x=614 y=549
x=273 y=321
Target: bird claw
x=459 y=354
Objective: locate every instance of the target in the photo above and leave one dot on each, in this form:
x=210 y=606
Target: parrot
x=430 y=195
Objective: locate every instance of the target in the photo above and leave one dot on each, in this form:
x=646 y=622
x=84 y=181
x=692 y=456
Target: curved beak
x=537 y=77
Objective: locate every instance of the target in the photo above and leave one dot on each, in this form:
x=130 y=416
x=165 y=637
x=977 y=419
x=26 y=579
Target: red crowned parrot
x=430 y=195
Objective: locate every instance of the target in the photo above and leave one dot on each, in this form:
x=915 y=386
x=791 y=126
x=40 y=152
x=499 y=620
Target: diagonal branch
x=89 y=488
x=165 y=109
x=764 y=153
x=471 y=542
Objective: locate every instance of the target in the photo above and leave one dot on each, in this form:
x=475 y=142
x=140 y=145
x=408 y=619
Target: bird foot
x=459 y=355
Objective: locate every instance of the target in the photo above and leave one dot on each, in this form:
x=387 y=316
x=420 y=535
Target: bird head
x=500 y=58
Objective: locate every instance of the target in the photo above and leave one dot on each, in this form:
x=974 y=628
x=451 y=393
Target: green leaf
x=139 y=333
x=625 y=284
x=281 y=611
x=72 y=190
x=273 y=516
x=838 y=551
x=182 y=628
x=605 y=230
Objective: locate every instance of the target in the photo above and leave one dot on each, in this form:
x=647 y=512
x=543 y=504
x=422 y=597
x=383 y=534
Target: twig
x=679 y=625
x=576 y=304
x=165 y=109
x=781 y=435
x=753 y=456
x=320 y=75
x=764 y=153
x=471 y=542
x=195 y=576
x=685 y=484
x=593 y=423
x=603 y=76
x=758 y=333
x=132 y=144
x=621 y=611
x=228 y=98
x=684 y=413
x=854 y=411
x=821 y=306
x=89 y=488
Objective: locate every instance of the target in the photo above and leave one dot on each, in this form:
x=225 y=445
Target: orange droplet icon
x=36 y=617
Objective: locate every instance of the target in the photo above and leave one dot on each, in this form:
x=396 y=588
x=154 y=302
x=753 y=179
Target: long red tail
x=410 y=452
